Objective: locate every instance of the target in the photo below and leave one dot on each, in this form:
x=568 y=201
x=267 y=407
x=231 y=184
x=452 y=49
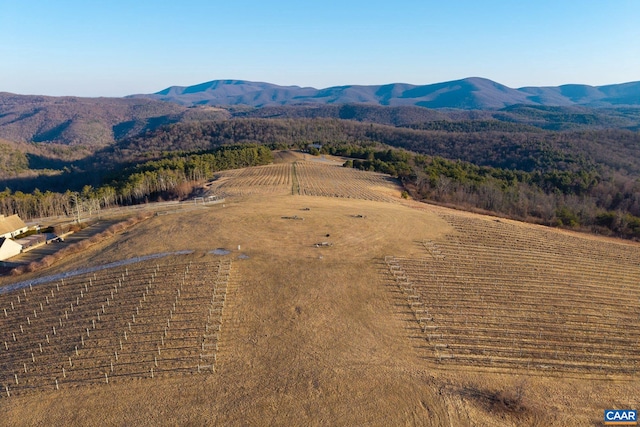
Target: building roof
x=9 y=224
x=4 y=241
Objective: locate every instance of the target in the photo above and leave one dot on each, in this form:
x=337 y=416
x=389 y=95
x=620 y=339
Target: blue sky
x=116 y=48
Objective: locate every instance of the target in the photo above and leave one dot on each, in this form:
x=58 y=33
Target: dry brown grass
x=78 y=247
x=315 y=336
x=498 y=295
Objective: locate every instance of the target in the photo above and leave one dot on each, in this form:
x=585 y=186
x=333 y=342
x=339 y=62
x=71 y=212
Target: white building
x=11 y=226
x=9 y=248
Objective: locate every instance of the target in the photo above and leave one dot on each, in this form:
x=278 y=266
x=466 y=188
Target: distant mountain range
x=467 y=94
x=96 y=122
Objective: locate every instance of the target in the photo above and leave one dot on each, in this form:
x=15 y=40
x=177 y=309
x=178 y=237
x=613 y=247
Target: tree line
x=576 y=199
x=585 y=178
x=169 y=178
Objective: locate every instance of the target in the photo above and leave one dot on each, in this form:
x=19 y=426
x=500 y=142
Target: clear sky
x=118 y=47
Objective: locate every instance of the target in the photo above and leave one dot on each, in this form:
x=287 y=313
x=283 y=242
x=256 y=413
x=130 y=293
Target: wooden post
x=106 y=378
x=70 y=363
x=58 y=388
x=64 y=373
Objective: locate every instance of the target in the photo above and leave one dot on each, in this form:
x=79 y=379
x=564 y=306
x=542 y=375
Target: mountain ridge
x=473 y=93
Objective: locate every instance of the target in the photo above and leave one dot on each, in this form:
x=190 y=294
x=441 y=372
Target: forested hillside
x=88 y=122
x=585 y=178
x=605 y=150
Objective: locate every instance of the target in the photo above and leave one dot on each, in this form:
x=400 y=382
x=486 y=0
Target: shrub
x=49 y=260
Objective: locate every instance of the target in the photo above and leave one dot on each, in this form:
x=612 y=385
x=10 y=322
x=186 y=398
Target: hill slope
x=326 y=335
x=86 y=121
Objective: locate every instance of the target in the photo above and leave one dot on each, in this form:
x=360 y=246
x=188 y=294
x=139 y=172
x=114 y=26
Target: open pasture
x=153 y=318
x=498 y=295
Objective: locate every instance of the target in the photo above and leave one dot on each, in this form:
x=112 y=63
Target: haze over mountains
x=468 y=94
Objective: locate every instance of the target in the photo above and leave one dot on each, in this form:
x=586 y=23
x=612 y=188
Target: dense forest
x=577 y=199
x=476 y=143
x=586 y=179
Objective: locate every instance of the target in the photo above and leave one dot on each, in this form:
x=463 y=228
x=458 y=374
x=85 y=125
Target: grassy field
x=336 y=304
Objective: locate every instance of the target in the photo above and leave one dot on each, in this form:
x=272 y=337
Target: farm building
x=11 y=226
x=8 y=248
